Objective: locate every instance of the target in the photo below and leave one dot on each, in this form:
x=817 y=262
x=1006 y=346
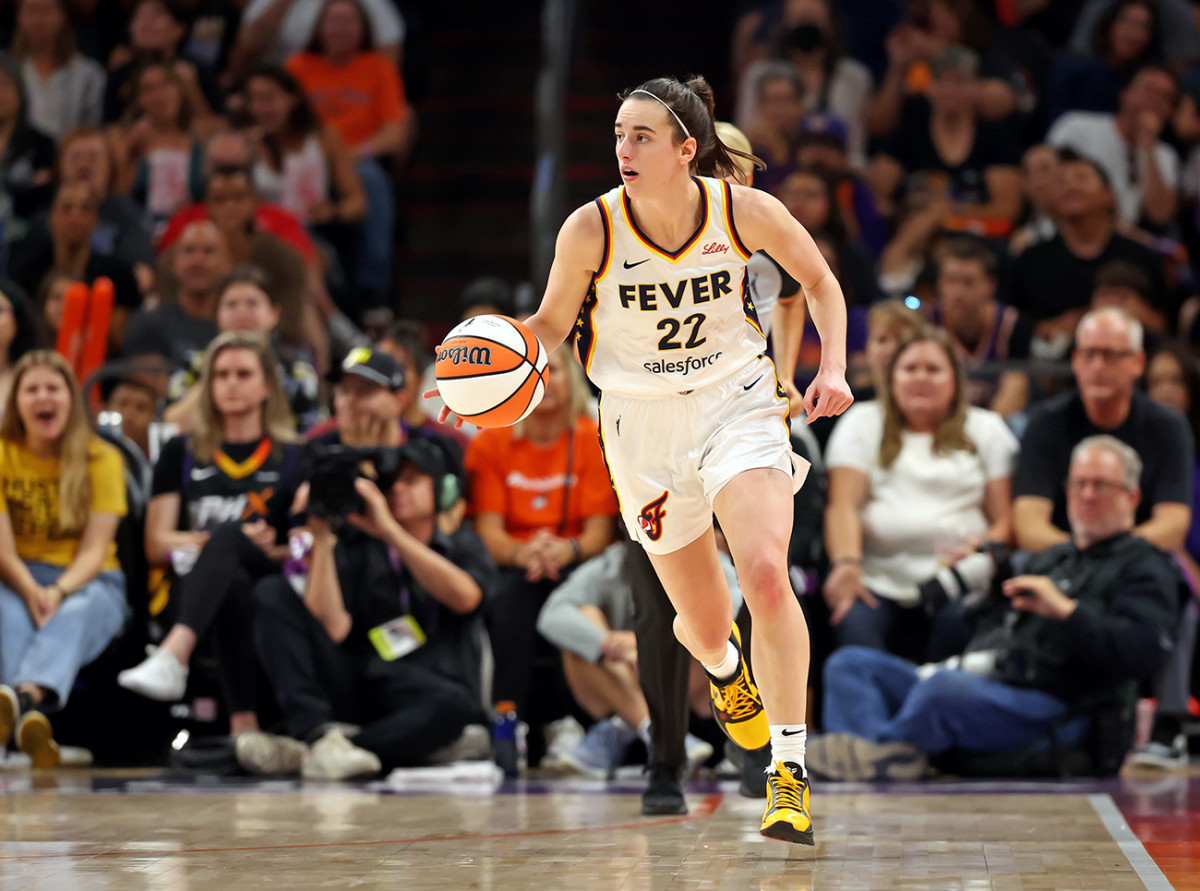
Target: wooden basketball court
x=101 y=829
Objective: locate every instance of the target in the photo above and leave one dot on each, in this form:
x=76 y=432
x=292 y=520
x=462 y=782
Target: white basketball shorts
x=670 y=455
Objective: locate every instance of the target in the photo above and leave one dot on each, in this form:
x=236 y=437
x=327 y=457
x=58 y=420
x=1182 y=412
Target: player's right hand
x=445 y=414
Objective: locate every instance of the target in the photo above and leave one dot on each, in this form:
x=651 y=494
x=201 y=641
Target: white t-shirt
x=924 y=503
x=387 y=26
x=1095 y=135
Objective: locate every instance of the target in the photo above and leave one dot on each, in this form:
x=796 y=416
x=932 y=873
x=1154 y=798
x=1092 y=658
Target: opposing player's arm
x=765 y=224
x=578 y=253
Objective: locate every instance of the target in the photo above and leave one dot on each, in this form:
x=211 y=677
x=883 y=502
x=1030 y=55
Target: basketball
x=491 y=371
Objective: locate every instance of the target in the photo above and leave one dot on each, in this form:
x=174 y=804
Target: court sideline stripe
x=706 y=808
x=1131 y=846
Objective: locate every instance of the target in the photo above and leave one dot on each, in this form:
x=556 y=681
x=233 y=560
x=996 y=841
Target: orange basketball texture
x=491 y=371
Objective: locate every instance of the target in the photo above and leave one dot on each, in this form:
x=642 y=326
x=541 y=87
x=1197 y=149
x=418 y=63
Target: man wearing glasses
x=1087 y=617
x=1107 y=361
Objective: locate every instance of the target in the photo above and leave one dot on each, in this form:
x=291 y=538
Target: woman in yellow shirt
x=62 y=593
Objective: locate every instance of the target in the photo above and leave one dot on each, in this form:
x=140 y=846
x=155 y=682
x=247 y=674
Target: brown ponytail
x=693 y=106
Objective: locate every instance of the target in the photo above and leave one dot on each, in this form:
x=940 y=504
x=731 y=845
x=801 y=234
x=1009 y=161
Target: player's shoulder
x=750 y=206
x=585 y=220
x=747 y=196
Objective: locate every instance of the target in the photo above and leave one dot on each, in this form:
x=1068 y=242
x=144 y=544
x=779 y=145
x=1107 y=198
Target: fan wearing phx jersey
x=692 y=419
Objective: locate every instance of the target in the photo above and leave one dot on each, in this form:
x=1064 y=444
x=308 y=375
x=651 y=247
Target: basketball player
x=692 y=418
x=663 y=664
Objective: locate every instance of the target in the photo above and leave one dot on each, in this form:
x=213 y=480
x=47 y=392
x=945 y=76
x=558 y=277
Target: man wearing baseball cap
x=369 y=399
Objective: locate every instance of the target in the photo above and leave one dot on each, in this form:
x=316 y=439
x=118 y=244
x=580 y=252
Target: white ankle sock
x=725 y=670
x=643 y=731
x=787 y=743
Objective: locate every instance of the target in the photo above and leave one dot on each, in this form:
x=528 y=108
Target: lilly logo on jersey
x=714 y=247
x=475 y=355
x=651 y=517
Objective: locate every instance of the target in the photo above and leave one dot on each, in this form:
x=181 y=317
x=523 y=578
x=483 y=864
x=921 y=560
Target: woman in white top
x=65 y=89
x=916 y=478
x=303 y=166
x=162 y=156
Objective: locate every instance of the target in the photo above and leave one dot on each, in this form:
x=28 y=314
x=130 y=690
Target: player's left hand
x=828 y=395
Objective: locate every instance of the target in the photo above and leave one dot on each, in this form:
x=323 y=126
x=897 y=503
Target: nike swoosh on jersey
x=629 y=265
x=750 y=386
x=203 y=473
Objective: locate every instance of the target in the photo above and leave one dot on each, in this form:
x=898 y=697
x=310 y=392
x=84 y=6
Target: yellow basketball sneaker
x=787 y=816
x=737 y=706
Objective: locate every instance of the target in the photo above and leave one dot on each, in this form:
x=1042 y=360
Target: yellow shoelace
x=787 y=790
x=739 y=702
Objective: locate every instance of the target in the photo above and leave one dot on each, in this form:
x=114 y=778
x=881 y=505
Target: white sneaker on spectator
x=698 y=751
x=1162 y=756
x=473 y=744
x=334 y=757
x=561 y=736
x=10 y=709
x=159 y=676
x=601 y=752
x=268 y=754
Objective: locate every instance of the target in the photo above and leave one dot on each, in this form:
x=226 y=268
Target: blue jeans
x=83 y=627
x=377 y=231
x=879 y=697
x=904 y=630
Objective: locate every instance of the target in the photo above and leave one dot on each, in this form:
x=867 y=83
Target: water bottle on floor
x=504 y=737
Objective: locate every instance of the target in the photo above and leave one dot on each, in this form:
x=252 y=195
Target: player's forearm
x=551 y=332
x=828 y=308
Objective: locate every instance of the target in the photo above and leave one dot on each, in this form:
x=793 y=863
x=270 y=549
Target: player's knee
x=709 y=638
x=765 y=585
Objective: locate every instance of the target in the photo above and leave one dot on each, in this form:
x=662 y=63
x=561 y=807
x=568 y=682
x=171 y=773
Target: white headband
x=686 y=134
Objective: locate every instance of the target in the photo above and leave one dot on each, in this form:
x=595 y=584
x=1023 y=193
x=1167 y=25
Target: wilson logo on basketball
x=651 y=517
x=714 y=248
x=466 y=355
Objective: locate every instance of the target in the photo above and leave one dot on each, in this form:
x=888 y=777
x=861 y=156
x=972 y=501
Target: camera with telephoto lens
x=332 y=495
x=972 y=580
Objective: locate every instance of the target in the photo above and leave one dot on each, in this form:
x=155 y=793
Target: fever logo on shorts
x=651 y=517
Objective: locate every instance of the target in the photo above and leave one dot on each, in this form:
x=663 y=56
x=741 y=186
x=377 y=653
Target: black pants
x=216 y=596
x=406 y=711
x=524 y=660
x=663 y=663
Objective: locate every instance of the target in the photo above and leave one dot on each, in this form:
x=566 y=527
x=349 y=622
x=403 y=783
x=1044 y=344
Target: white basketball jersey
x=661 y=322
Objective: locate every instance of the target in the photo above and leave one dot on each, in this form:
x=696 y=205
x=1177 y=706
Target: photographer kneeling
x=1088 y=616
x=387 y=634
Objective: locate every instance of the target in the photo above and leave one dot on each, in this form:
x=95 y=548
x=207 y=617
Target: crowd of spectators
x=1008 y=194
